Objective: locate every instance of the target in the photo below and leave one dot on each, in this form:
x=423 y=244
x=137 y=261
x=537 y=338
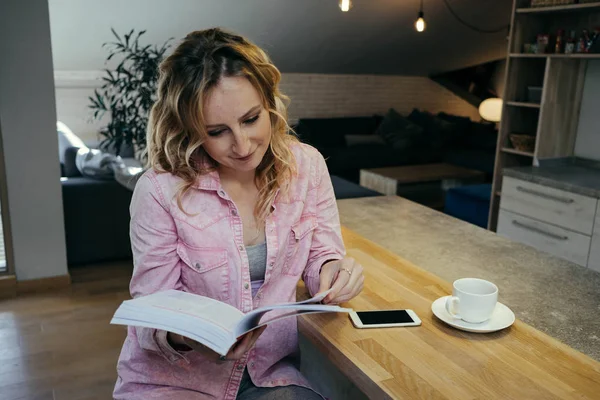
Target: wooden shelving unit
x=517 y=152
x=522 y=104
x=553 y=120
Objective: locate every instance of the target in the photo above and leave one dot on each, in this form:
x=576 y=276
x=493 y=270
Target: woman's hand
x=345 y=277
x=244 y=344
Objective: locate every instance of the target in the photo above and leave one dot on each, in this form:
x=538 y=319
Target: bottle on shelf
x=570 y=45
x=558 y=47
x=583 y=40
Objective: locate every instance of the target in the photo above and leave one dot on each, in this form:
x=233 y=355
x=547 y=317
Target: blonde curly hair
x=176 y=129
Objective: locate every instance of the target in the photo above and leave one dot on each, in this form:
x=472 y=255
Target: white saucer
x=502 y=318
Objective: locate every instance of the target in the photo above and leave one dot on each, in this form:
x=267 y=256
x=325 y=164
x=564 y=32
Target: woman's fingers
x=340 y=281
x=352 y=292
x=245 y=344
x=352 y=285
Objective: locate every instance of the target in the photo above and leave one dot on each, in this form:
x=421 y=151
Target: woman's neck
x=237 y=178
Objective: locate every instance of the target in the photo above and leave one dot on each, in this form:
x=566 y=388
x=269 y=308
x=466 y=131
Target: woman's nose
x=241 y=143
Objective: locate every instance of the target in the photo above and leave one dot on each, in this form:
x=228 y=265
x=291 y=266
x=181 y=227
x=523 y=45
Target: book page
x=253 y=319
x=187 y=305
x=200 y=318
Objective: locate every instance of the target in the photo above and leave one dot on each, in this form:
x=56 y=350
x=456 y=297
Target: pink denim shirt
x=205 y=254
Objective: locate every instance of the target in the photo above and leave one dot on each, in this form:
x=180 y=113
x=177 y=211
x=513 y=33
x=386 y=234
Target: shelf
x=550 y=55
x=517 y=152
x=522 y=104
x=563 y=8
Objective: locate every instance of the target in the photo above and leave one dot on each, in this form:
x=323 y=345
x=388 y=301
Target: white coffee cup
x=473 y=300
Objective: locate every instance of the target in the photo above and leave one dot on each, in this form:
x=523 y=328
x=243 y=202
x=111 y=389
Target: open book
x=214 y=324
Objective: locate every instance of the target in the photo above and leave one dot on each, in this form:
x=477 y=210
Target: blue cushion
x=481 y=192
x=344 y=189
x=470 y=203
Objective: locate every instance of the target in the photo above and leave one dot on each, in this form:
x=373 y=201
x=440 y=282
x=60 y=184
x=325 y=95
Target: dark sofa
x=443 y=138
x=96 y=216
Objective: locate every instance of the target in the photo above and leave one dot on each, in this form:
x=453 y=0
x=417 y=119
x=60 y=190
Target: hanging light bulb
x=345 y=5
x=420 y=23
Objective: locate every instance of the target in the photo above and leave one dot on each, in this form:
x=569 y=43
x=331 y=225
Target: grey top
x=553 y=295
x=573 y=175
x=257 y=258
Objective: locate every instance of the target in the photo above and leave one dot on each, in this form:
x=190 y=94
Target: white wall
x=588 y=131
x=28 y=125
x=312 y=96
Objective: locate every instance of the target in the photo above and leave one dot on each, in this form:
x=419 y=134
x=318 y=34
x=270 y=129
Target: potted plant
x=128 y=92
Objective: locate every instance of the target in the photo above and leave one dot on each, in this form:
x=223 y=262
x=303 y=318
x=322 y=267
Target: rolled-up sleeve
x=327 y=242
x=155 y=260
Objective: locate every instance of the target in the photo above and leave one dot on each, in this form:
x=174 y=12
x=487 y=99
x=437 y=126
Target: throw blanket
x=96 y=164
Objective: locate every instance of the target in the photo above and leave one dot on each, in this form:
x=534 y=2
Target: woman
x=234 y=208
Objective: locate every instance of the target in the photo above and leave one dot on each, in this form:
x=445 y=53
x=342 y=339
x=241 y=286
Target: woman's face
x=238 y=126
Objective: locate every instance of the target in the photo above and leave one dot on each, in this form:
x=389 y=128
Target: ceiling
x=310 y=36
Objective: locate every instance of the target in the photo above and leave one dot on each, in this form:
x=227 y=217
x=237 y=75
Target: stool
x=470 y=203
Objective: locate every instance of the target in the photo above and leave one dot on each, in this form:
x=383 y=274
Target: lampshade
x=491 y=109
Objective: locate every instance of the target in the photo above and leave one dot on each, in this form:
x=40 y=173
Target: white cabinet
x=555 y=221
x=560 y=242
x=554 y=206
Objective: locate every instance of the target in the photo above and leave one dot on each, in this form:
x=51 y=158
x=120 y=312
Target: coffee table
x=425 y=184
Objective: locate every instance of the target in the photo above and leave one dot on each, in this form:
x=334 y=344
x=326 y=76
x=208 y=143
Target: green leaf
x=127 y=37
x=115 y=33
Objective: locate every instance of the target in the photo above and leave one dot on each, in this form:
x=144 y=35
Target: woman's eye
x=215 y=133
x=251 y=120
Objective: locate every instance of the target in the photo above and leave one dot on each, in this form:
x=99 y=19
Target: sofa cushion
x=398 y=131
x=482 y=136
x=66 y=139
x=463 y=124
x=359 y=140
x=70 y=169
x=331 y=132
x=438 y=132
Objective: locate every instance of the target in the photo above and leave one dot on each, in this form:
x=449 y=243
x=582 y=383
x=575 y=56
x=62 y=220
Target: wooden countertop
x=435 y=361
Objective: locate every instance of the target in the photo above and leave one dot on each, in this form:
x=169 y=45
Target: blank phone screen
x=384 y=317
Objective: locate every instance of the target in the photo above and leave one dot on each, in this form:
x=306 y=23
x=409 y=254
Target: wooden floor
x=59 y=345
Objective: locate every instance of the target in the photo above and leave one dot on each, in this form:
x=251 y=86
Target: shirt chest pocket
x=299 y=245
x=205 y=271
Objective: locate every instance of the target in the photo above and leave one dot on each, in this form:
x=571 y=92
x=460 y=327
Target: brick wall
x=312 y=95
x=315 y=95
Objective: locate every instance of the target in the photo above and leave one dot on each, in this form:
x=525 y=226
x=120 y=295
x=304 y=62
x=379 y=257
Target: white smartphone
x=384 y=318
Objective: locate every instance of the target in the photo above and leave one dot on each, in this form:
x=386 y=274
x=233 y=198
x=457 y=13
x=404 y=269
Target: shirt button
x=252 y=365
x=240 y=367
x=271 y=263
x=222 y=193
x=198 y=265
x=241 y=248
x=234 y=212
x=246 y=286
